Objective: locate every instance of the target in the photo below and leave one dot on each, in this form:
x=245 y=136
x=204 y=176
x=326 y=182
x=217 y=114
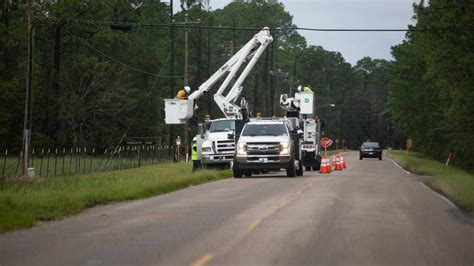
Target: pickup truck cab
x=266 y=144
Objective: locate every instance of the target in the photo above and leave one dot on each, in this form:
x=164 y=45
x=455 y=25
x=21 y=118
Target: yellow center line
x=203 y=260
x=282 y=205
x=254 y=224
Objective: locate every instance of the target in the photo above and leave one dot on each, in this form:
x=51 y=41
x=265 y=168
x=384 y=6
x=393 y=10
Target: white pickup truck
x=268 y=144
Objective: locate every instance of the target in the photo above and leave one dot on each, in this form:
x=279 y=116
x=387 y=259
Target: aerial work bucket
x=178 y=111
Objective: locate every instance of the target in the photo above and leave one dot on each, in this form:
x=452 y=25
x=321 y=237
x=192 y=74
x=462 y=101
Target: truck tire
x=318 y=164
x=237 y=172
x=307 y=168
x=248 y=173
x=291 y=170
x=299 y=171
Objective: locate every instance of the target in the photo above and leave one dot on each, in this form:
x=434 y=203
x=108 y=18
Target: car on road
x=370 y=150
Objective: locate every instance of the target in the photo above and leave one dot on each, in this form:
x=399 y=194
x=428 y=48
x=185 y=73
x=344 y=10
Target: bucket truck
x=216 y=146
x=301 y=107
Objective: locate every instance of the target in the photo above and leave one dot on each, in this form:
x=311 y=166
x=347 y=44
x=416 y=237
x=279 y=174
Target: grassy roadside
x=454 y=183
x=24 y=202
x=333 y=152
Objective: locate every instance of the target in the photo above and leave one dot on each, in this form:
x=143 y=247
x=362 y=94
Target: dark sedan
x=370 y=150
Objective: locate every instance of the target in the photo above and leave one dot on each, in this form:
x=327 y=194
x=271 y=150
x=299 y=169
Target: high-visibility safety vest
x=194 y=152
x=307 y=89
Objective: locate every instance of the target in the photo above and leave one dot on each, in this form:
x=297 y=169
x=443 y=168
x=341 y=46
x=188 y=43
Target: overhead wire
x=197 y=26
x=116 y=60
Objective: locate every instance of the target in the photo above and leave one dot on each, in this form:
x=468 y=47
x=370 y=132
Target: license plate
x=371 y=153
x=263 y=160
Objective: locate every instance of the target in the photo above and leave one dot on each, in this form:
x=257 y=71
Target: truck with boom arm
x=216 y=147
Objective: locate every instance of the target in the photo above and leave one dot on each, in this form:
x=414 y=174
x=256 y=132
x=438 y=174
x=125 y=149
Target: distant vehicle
x=370 y=150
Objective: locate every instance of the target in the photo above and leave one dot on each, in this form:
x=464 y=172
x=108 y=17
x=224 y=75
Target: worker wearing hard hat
x=183 y=93
x=304 y=89
x=194 y=156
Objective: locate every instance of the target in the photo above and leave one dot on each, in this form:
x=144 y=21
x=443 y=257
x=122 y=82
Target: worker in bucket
x=183 y=93
x=194 y=156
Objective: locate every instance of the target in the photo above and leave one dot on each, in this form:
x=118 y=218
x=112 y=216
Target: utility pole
x=186 y=53
x=28 y=115
x=272 y=89
x=172 y=80
x=186 y=83
x=209 y=22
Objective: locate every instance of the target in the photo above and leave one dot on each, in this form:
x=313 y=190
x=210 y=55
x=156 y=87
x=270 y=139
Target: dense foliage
x=94 y=85
x=431 y=81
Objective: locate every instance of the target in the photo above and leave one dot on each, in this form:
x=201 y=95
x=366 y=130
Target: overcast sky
x=348 y=14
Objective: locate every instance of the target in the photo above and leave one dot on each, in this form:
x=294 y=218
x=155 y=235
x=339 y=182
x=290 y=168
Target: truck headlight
x=241 y=148
x=206 y=149
x=284 y=148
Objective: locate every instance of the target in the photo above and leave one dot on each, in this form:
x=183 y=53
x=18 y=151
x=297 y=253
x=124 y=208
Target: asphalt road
x=372 y=213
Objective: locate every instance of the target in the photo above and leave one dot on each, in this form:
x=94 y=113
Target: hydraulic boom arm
x=178 y=111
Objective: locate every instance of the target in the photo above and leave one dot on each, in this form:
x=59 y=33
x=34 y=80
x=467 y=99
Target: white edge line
x=408 y=173
x=441 y=196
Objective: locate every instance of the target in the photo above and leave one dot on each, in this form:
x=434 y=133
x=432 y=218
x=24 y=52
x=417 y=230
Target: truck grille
x=264 y=148
x=225 y=146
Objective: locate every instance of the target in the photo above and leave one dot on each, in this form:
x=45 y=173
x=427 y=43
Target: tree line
x=95 y=85
x=431 y=81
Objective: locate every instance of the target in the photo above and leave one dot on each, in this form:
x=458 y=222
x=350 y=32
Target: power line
x=193 y=25
x=117 y=61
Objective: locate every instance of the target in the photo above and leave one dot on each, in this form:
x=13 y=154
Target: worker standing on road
x=194 y=156
x=183 y=93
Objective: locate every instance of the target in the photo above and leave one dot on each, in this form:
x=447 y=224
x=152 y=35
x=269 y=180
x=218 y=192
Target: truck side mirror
x=230 y=135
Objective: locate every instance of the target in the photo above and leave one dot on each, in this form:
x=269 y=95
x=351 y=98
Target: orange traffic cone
x=325 y=165
x=343 y=163
x=338 y=163
x=333 y=162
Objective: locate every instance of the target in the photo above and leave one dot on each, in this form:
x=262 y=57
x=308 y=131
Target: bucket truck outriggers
x=216 y=147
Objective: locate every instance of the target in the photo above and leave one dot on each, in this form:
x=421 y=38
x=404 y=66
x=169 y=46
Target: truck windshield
x=222 y=126
x=265 y=130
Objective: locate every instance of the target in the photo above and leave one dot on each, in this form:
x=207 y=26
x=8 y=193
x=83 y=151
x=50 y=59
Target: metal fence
x=81 y=160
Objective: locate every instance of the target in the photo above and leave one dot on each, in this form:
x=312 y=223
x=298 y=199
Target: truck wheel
x=318 y=164
x=307 y=168
x=248 y=173
x=237 y=172
x=291 y=170
x=299 y=171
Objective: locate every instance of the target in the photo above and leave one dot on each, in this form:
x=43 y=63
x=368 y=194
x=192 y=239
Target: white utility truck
x=216 y=147
x=301 y=107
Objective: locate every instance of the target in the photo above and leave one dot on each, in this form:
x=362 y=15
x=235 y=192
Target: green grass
x=332 y=152
x=454 y=183
x=24 y=202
